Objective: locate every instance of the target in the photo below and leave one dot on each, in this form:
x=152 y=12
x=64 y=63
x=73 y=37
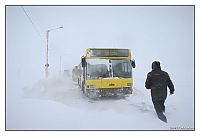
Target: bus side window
x=83 y=61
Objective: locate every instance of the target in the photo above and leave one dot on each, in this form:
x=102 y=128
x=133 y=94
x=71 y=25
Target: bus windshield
x=121 y=68
x=104 y=68
x=97 y=68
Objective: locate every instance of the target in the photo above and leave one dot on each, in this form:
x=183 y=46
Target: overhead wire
x=32 y=23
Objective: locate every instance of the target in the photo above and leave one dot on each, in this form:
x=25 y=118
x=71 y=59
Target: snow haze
x=163 y=33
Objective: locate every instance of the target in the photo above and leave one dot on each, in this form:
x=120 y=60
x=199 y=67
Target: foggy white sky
x=153 y=33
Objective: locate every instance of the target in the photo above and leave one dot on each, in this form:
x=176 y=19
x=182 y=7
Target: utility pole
x=60 y=65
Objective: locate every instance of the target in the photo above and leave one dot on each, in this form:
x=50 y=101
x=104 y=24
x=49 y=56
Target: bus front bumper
x=112 y=91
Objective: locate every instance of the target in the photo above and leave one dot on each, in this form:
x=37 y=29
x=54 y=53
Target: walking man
x=158 y=81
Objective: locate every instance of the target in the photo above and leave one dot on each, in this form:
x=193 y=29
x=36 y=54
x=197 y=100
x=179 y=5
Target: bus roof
x=108 y=48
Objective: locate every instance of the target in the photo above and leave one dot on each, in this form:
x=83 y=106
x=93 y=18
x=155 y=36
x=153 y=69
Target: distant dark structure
x=67 y=72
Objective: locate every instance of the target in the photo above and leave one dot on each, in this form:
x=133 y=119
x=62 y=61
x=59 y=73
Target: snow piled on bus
x=58 y=104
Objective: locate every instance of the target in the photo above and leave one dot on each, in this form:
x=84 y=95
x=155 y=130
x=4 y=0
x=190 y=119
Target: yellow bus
x=106 y=72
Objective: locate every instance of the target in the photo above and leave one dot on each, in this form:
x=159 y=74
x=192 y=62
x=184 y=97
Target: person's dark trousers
x=160 y=108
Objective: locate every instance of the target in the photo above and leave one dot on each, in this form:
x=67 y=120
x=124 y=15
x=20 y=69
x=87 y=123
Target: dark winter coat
x=158 y=81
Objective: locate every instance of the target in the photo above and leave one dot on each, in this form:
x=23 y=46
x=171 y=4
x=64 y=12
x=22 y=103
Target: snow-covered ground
x=58 y=104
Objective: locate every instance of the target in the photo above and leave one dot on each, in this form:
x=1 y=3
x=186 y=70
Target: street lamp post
x=61 y=57
x=47 y=51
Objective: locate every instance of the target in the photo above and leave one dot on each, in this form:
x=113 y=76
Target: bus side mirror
x=83 y=62
x=133 y=63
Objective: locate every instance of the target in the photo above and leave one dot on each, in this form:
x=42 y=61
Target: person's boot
x=162 y=117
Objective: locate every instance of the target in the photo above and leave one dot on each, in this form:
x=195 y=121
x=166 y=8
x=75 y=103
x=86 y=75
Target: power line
x=34 y=26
